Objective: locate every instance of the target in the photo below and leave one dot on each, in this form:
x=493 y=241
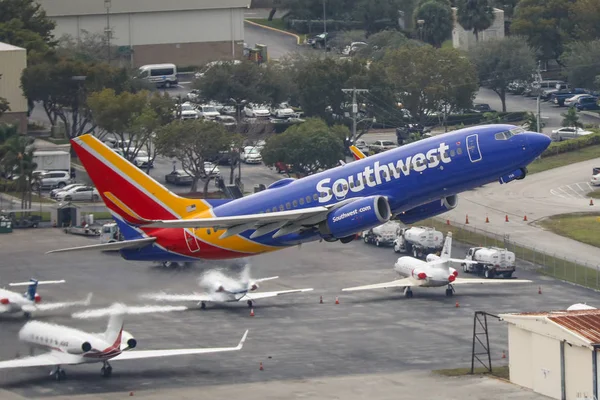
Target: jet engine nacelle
x=74 y=348
x=357 y=216
x=127 y=341
x=428 y=210
x=518 y=174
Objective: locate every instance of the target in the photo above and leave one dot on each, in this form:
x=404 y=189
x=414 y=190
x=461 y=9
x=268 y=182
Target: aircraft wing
x=405 y=282
x=51 y=358
x=56 y=306
x=264 y=295
x=198 y=297
x=137 y=354
x=125 y=244
x=464 y=281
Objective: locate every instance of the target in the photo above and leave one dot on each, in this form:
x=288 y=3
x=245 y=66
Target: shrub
x=571 y=145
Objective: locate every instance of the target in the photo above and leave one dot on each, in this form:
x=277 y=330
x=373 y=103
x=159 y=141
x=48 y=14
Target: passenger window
x=301 y=201
x=288 y=205
x=452 y=153
x=315 y=197
x=295 y=203
x=274 y=209
x=281 y=208
x=351 y=184
x=459 y=151
x=307 y=199
x=345 y=187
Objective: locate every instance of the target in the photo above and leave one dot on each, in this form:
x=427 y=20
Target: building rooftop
x=9 y=47
x=582 y=323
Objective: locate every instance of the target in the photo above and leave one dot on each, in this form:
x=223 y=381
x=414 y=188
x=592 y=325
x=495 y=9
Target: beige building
x=555 y=353
x=463 y=40
x=183 y=32
x=13 y=60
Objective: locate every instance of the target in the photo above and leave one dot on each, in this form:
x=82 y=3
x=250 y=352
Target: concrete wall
x=519 y=356
x=13 y=60
x=578 y=372
x=462 y=39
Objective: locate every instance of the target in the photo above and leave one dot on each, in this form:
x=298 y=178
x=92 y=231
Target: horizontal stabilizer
x=126 y=244
x=456 y=260
x=465 y=281
x=404 y=282
x=266 y=295
x=38 y=282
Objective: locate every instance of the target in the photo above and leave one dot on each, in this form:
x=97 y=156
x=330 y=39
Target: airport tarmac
x=296 y=338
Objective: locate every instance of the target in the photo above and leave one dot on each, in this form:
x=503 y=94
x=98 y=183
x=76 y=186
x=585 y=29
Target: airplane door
x=473 y=148
x=191 y=240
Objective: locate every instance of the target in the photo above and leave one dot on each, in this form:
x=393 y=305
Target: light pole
x=107 y=30
x=421 y=22
x=324 y=27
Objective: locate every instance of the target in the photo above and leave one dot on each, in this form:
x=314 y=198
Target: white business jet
x=434 y=272
x=30 y=301
x=221 y=288
x=69 y=346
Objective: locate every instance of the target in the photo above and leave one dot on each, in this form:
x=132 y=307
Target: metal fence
x=540 y=260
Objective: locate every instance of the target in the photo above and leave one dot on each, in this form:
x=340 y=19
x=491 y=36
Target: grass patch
x=98 y=215
x=500 y=372
x=594 y=194
x=277 y=23
x=34 y=197
x=447 y=44
x=583 y=227
x=559 y=268
x=45 y=215
x=560 y=160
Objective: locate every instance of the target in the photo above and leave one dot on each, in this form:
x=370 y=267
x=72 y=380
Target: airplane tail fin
x=127 y=191
x=356 y=153
x=447 y=249
x=114 y=329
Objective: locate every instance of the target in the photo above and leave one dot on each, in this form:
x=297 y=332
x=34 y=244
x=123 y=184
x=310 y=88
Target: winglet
x=358 y=155
x=241 y=344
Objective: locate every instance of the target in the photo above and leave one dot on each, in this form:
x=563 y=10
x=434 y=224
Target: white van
x=160 y=74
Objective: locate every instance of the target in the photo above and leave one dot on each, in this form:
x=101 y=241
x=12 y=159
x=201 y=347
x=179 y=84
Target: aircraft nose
x=538 y=142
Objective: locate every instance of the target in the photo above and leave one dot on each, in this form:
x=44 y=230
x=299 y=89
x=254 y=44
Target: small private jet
x=30 y=301
x=434 y=272
x=69 y=346
x=221 y=289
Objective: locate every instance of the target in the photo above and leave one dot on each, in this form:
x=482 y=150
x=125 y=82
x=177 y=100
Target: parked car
x=52 y=179
x=283 y=110
x=256 y=111
x=251 y=155
x=56 y=191
x=282 y=168
x=595 y=179
x=179 y=177
x=208 y=111
x=381 y=145
x=143 y=160
x=226 y=120
x=81 y=193
x=568 y=133
x=362 y=145
x=561 y=96
x=352 y=48
x=193 y=95
x=561 y=86
x=587 y=103
x=481 y=108
x=211 y=169
x=188 y=111
x=318 y=41
x=571 y=100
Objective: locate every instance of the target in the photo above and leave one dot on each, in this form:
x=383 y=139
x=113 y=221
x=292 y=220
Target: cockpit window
x=501 y=136
x=516 y=131
x=508 y=134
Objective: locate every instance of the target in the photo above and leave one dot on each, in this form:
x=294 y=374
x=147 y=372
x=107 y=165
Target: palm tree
x=475 y=15
x=571 y=119
x=16 y=158
x=531 y=122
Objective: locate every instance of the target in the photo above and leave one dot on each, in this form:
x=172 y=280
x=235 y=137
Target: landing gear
x=170 y=264
x=377 y=243
x=249 y=302
x=202 y=305
x=26 y=315
x=408 y=293
x=58 y=373
x=449 y=292
x=415 y=253
x=106 y=369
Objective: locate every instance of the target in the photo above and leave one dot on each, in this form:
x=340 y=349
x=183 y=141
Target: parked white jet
x=221 y=289
x=434 y=272
x=28 y=302
x=72 y=346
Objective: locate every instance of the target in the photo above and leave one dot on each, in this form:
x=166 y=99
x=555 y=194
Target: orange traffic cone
x=321 y=300
x=447 y=222
x=591 y=202
x=260 y=368
x=525 y=218
x=467 y=220
x=487 y=220
x=539 y=290
x=503 y=354
x=457 y=305
x=506 y=218
x=252 y=312
x=130 y=394
x=337 y=301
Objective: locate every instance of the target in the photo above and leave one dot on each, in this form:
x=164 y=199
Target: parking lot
x=295 y=337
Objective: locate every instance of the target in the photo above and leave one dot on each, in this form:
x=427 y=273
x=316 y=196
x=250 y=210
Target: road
x=370 y=334
x=551 y=114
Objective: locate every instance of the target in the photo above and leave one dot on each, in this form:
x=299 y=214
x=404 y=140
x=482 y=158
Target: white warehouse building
x=555 y=353
x=183 y=32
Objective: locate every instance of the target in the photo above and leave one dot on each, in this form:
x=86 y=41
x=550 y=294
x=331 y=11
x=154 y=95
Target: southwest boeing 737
x=409 y=183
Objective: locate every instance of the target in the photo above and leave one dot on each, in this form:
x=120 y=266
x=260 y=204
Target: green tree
x=502 y=61
x=308 y=147
x=90 y=47
x=581 y=61
x=4 y=104
x=16 y=159
x=383 y=41
x=31 y=14
x=194 y=142
x=547 y=25
x=586 y=15
x=63 y=87
x=439 y=21
x=474 y=15
x=571 y=119
x=425 y=79
x=373 y=12
x=531 y=122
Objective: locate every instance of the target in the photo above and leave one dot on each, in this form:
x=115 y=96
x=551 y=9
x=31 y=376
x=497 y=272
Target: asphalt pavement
x=296 y=338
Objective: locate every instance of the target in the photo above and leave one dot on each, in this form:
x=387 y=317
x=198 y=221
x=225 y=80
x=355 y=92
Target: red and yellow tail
x=358 y=155
x=127 y=190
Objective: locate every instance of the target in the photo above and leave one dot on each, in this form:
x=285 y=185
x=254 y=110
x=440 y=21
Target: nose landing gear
x=106 y=369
